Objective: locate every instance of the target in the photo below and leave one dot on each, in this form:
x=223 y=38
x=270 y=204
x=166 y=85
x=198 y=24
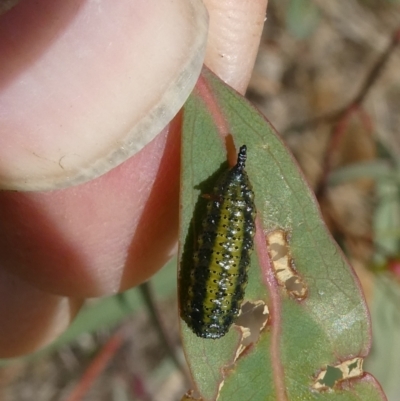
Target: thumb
x=85 y=84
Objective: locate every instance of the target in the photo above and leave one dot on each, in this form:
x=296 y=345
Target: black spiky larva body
x=219 y=273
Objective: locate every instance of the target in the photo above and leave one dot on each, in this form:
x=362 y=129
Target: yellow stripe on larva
x=226 y=251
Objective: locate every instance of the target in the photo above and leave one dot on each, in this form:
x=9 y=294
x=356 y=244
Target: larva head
x=241 y=160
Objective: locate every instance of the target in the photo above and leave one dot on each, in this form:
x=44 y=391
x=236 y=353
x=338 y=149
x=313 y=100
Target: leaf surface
x=303 y=337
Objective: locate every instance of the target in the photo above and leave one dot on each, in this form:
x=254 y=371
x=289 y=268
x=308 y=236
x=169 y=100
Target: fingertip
x=87 y=84
x=30 y=319
x=234 y=37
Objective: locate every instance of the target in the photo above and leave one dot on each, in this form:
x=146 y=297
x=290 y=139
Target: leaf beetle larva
x=218 y=275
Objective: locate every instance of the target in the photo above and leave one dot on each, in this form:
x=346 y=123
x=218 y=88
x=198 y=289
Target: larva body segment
x=219 y=274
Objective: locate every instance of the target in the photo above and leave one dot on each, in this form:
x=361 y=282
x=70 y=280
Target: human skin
x=116 y=230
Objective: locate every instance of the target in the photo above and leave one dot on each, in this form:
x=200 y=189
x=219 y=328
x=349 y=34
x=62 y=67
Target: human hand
x=116 y=230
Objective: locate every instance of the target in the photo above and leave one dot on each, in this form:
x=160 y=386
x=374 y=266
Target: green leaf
x=384 y=361
x=378 y=170
x=302 y=18
x=386 y=220
x=302 y=337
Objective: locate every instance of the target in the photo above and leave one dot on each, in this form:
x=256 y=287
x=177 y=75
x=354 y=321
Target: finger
x=101 y=237
x=234 y=36
x=29 y=318
x=86 y=84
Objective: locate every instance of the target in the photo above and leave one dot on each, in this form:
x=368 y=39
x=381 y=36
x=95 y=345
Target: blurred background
x=328 y=78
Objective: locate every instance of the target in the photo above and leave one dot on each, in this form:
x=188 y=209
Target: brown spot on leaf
x=332 y=375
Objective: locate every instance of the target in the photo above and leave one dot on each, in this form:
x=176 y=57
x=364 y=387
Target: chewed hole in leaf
x=252 y=318
x=295 y=286
x=333 y=375
x=284 y=265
